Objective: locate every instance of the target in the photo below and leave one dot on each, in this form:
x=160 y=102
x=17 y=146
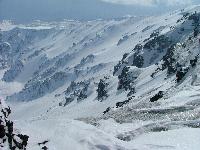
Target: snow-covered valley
x=124 y=84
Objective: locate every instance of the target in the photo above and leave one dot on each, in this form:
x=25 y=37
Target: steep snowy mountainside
x=61 y=48
x=105 y=84
x=38 y=52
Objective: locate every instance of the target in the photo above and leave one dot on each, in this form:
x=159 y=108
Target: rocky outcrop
x=102 y=92
x=76 y=91
x=157 y=96
x=9 y=138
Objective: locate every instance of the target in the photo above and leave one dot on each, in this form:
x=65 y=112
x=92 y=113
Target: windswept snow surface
x=50 y=73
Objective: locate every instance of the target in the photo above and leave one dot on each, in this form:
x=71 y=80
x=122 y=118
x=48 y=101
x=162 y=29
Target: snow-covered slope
x=129 y=83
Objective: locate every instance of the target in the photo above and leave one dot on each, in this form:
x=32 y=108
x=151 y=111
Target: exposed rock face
x=181 y=73
x=102 y=90
x=76 y=91
x=127 y=79
x=124 y=79
x=157 y=96
x=9 y=138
